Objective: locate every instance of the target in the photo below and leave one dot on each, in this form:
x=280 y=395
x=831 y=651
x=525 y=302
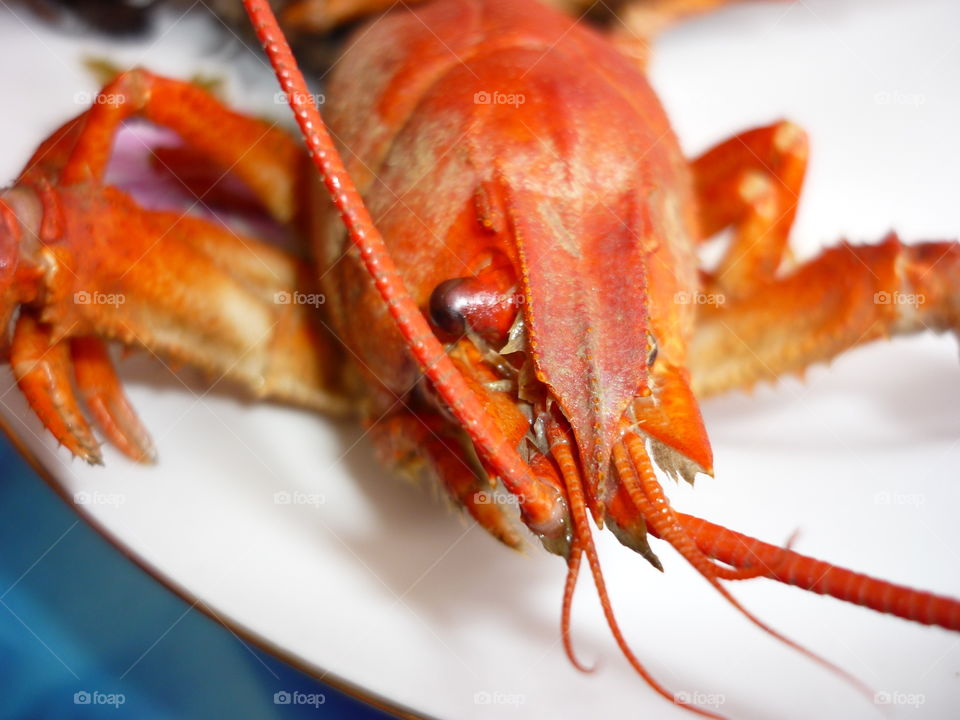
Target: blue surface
x=80 y=622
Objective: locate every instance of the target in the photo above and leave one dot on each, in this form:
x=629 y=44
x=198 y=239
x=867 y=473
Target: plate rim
x=319 y=674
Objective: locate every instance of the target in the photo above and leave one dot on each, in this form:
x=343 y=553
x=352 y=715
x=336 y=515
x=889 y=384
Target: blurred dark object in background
x=115 y=17
x=316 y=28
x=316 y=40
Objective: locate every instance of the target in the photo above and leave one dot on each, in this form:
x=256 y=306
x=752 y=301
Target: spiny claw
x=41 y=367
x=187 y=289
x=85 y=263
x=103 y=395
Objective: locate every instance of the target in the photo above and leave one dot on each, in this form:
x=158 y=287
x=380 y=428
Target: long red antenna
x=787 y=566
x=543 y=509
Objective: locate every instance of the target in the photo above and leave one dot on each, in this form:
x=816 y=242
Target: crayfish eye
x=484 y=304
x=448 y=303
x=651 y=350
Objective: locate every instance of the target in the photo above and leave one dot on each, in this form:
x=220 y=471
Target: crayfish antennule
x=662 y=520
x=583 y=539
x=573 y=572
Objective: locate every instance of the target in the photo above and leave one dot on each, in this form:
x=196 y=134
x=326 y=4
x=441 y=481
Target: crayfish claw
x=103 y=395
x=41 y=368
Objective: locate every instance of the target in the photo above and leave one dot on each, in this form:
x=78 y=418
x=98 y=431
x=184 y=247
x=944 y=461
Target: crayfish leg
x=849 y=295
x=751 y=182
x=264 y=157
x=633 y=25
x=203 y=178
x=317 y=16
x=408 y=441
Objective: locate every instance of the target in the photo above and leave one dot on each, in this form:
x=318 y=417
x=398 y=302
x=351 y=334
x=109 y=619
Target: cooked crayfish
x=507 y=261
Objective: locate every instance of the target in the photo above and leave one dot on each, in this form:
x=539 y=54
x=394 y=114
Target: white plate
x=379 y=585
